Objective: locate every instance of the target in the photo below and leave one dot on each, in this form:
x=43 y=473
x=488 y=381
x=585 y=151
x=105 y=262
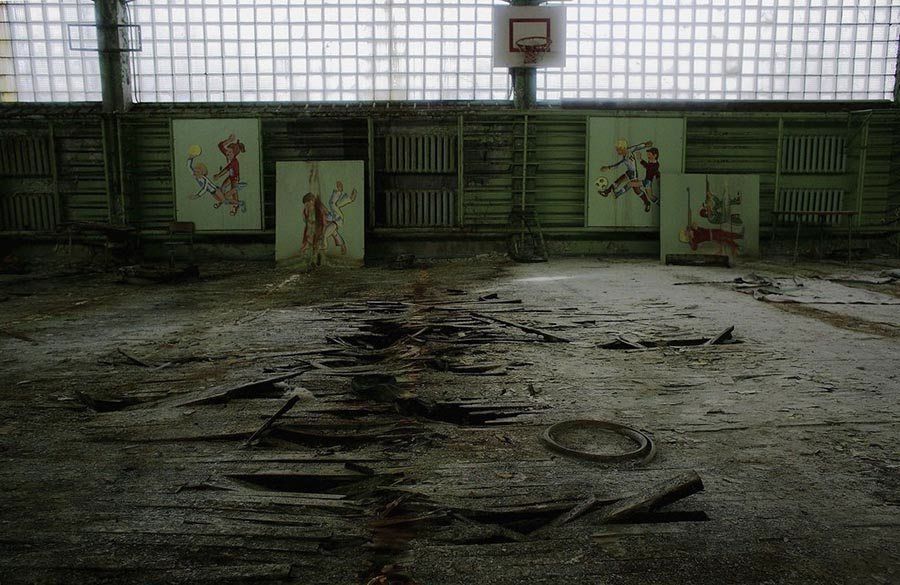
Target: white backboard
x=514 y=23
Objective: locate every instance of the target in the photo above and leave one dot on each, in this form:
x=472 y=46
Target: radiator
x=814 y=154
x=25 y=156
x=419 y=208
x=420 y=153
x=27 y=212
x=26 y=168
x=811 y=200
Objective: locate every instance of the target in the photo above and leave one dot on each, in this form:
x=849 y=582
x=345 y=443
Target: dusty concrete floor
x=794 y=430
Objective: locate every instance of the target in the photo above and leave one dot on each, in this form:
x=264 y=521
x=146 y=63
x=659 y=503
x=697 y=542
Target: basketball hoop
x=532 y=47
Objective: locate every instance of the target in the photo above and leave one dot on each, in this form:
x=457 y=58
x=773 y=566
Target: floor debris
x=397 y=439
x=552 y=437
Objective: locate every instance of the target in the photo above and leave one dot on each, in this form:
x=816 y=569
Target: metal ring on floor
x=643 y=454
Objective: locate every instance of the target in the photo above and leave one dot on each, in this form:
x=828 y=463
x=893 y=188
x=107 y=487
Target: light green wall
x=495 y=154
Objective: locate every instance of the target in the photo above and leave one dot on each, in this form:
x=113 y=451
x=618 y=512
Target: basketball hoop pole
x=524 y=79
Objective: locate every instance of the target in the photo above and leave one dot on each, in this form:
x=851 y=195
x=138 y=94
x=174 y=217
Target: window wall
x=727 y=50
x=318 y=50
x=45 y=56
x=368 y=50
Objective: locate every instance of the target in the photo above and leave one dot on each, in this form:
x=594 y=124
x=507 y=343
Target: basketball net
x=532 y=48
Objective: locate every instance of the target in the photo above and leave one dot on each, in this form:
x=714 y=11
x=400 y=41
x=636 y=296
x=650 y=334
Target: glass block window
x=315 y=50
x=38 y=60
x=727 y=50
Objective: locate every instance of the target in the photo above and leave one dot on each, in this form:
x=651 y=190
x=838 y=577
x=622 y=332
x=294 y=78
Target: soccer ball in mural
x=601 y=184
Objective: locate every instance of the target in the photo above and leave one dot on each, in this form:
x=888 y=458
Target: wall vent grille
x=426 y=208
x=420 y=153
x=814 y=154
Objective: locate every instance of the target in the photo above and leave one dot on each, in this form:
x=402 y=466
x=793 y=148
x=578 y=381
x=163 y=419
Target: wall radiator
x=26 y=168
x=811 y=200
x=420 y=153
x=27 y=212
x=427 y=208
x=814 y=154
x=25 y=156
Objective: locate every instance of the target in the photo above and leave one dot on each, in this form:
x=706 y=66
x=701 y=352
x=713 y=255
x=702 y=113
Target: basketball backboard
x=529 y=36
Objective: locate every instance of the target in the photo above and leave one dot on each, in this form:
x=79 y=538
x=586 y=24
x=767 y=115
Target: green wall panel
x=499 y=162
x=82 y=180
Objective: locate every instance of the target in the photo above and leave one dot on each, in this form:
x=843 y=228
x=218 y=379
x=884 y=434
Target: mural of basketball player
x=201 y=176
x=629 y=177
x=228 y=190
x=231 y=147
x=651 y=172
x=335 y=219
x=717 y=210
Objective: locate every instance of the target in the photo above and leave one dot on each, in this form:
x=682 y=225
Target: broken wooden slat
x=546 y=335
x=653 y=497
x=133 y=359
x=577 y=511
x=724 y=335
x=271 y=420
x=218 y=395
x=629 y=343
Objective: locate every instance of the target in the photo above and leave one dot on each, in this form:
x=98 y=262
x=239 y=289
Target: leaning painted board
x=320 y=211
x=628 y=160
x=710 y=214
x=217 y=173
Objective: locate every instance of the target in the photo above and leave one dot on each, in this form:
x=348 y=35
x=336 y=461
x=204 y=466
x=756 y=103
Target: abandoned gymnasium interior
x=433 y=292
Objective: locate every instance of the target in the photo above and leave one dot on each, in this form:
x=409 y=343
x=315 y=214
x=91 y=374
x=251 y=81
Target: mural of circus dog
x=217 y=173
x=319 y=211
x=710 y=214
x=628 y=159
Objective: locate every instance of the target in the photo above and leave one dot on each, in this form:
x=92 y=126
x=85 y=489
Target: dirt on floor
x=379 y=425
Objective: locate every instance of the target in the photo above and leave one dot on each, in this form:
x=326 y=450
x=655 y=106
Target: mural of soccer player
x=717 y=210
x=335 y=219
x=695 y=235
x=651 y=172
x=629 y=176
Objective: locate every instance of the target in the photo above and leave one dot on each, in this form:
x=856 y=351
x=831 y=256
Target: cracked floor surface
x=793 y=430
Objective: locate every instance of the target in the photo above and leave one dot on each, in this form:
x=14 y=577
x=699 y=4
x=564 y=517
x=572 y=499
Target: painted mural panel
x=710 y=214
x=217 y=173
x=320 y=211
x=628 y=160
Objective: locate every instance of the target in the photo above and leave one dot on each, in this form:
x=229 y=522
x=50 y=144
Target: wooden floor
x=412 y=451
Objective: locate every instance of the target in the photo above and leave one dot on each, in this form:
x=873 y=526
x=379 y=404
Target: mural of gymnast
x=314 y=214
x=694 y=234
x=227 y=191
x=322 y=223
x=717 y=210
x=629 y=176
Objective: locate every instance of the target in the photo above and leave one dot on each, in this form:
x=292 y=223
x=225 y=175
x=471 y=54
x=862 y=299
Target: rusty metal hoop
x=532 y=47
